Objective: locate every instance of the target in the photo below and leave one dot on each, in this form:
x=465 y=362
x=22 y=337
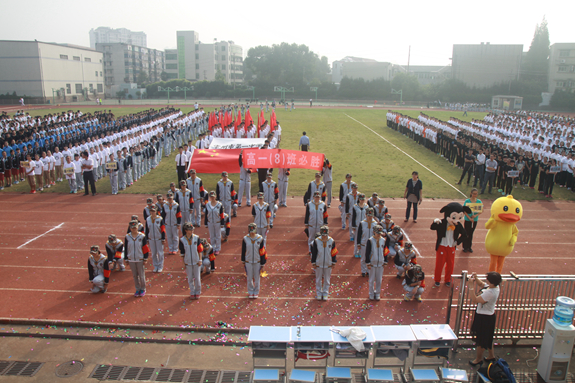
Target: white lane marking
x=419 y=163
x=41 y=235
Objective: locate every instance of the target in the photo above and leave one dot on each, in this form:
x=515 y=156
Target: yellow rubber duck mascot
x=502 y=231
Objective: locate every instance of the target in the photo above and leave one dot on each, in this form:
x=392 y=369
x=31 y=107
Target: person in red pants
x=450 y=233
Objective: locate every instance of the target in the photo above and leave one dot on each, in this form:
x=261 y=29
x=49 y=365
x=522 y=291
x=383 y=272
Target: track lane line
x=41 y=235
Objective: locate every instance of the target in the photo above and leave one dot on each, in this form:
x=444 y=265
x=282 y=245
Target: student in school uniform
x=156 y=234
x=30 y=173
x=323 y=258
x=376 y=249
x=226 y=194
x=316 y=216
x=115 y=250
x=191 y=250
x=38 y=170
x=262 y=214
x=137 y=252
x=172 y=219
x=254 y=257
x=98 y=270
x=214 y=221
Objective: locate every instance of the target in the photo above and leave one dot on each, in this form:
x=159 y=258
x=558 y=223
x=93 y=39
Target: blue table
x=266 y=376
x=390 y=338
x=430 y=336
x=317 y=339
x=344 y=349
x=338 y=374
x=378 y=375
x=302 y=376
x=269 y=342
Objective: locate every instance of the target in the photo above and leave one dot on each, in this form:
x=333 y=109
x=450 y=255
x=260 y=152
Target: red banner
x=215 y=160
x=282 y=158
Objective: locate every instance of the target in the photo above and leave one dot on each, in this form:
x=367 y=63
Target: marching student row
x=136 y=144
x=530 y=145
x=376 y=238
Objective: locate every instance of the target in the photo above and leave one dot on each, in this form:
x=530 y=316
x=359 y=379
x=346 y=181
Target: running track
x=45 y=239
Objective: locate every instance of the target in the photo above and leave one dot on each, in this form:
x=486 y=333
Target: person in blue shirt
x=471 y=220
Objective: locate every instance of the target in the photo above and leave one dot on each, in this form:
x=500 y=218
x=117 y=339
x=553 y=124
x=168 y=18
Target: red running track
x=47 y=278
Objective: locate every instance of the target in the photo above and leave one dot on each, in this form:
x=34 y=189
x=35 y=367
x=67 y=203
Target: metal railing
x=525 y=303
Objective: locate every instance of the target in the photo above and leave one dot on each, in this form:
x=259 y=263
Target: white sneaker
x=160 y=270
x=155 y=270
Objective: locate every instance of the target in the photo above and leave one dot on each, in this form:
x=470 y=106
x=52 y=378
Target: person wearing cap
x=214 y=221
x=364 y=233
x=114 y=250
x=357 y=215
x=173 y=189
x=271 y=196
x=323 y=257
x=350 y=201
x=137 y=252
x=172 y=219
x=198 y=194
x=396 y=240
x=414 y=195
x=156 y=234
x=98 y=270
x=376 y=250
x=262 y=214
x=208 y=257
x=254 y=257
x=141 y=227
x=315 y=217
x=387 y=223
x=191 y=250
x=245 y=182
x=372 y=202
x=380 y=210
x=315 y=185
x=160 y=205
x=184 y=198
x=413 y=283
x=404 y=256
x=283 y=179
x=226 y=194
x=149 y=205
x=327 y=179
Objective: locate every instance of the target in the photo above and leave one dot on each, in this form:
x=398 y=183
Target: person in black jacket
x=450 y=233
x=413 y=194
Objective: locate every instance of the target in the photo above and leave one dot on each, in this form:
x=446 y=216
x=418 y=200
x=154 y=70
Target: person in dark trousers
x=483 y=326
x=304 y=144
x=88 y=166
x=470 y=221
x=490 y=171
x=413 y=194
x=549 y=178
x=510 y=181
x=181 y=161
x=469 y=159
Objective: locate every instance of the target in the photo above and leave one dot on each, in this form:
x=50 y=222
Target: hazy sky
x=380 y=30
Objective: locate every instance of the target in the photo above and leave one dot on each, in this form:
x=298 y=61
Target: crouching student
x=114 y=249
x=405 y=256
x=191 y=249
x=413 y=283
x=208 y=257
x=98 y=270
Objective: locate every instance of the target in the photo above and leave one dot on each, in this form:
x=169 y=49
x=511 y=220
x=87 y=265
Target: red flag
x=273 y=121
x=238 y=121
x=211 y=121
x=215 y=160
x=248 y=119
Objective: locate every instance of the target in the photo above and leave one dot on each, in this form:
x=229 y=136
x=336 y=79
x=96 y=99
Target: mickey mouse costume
x=450 y=233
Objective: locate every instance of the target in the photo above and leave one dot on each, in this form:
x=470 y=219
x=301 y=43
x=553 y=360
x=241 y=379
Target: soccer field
x=355 y=141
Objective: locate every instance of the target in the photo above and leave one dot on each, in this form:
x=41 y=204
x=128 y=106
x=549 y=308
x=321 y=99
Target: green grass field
x=351 y=148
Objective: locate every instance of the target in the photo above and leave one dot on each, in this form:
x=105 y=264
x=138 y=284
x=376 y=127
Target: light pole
x=179 y=89
x=400 y=92
x=168 y=89
x=314 y=88
x=253 y=89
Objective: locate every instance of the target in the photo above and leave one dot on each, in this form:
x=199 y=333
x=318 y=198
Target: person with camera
x=483 y=326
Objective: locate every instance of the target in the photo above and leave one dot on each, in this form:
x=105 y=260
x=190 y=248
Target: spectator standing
x=413 y=194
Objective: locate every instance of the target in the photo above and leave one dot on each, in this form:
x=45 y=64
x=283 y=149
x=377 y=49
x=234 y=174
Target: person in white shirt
x=181 y=161
x=79 y=171
x=30 y=173
x=70 y=174
x=52 y=168
x=479 y=168
x=88 y=170
x=59 y=162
